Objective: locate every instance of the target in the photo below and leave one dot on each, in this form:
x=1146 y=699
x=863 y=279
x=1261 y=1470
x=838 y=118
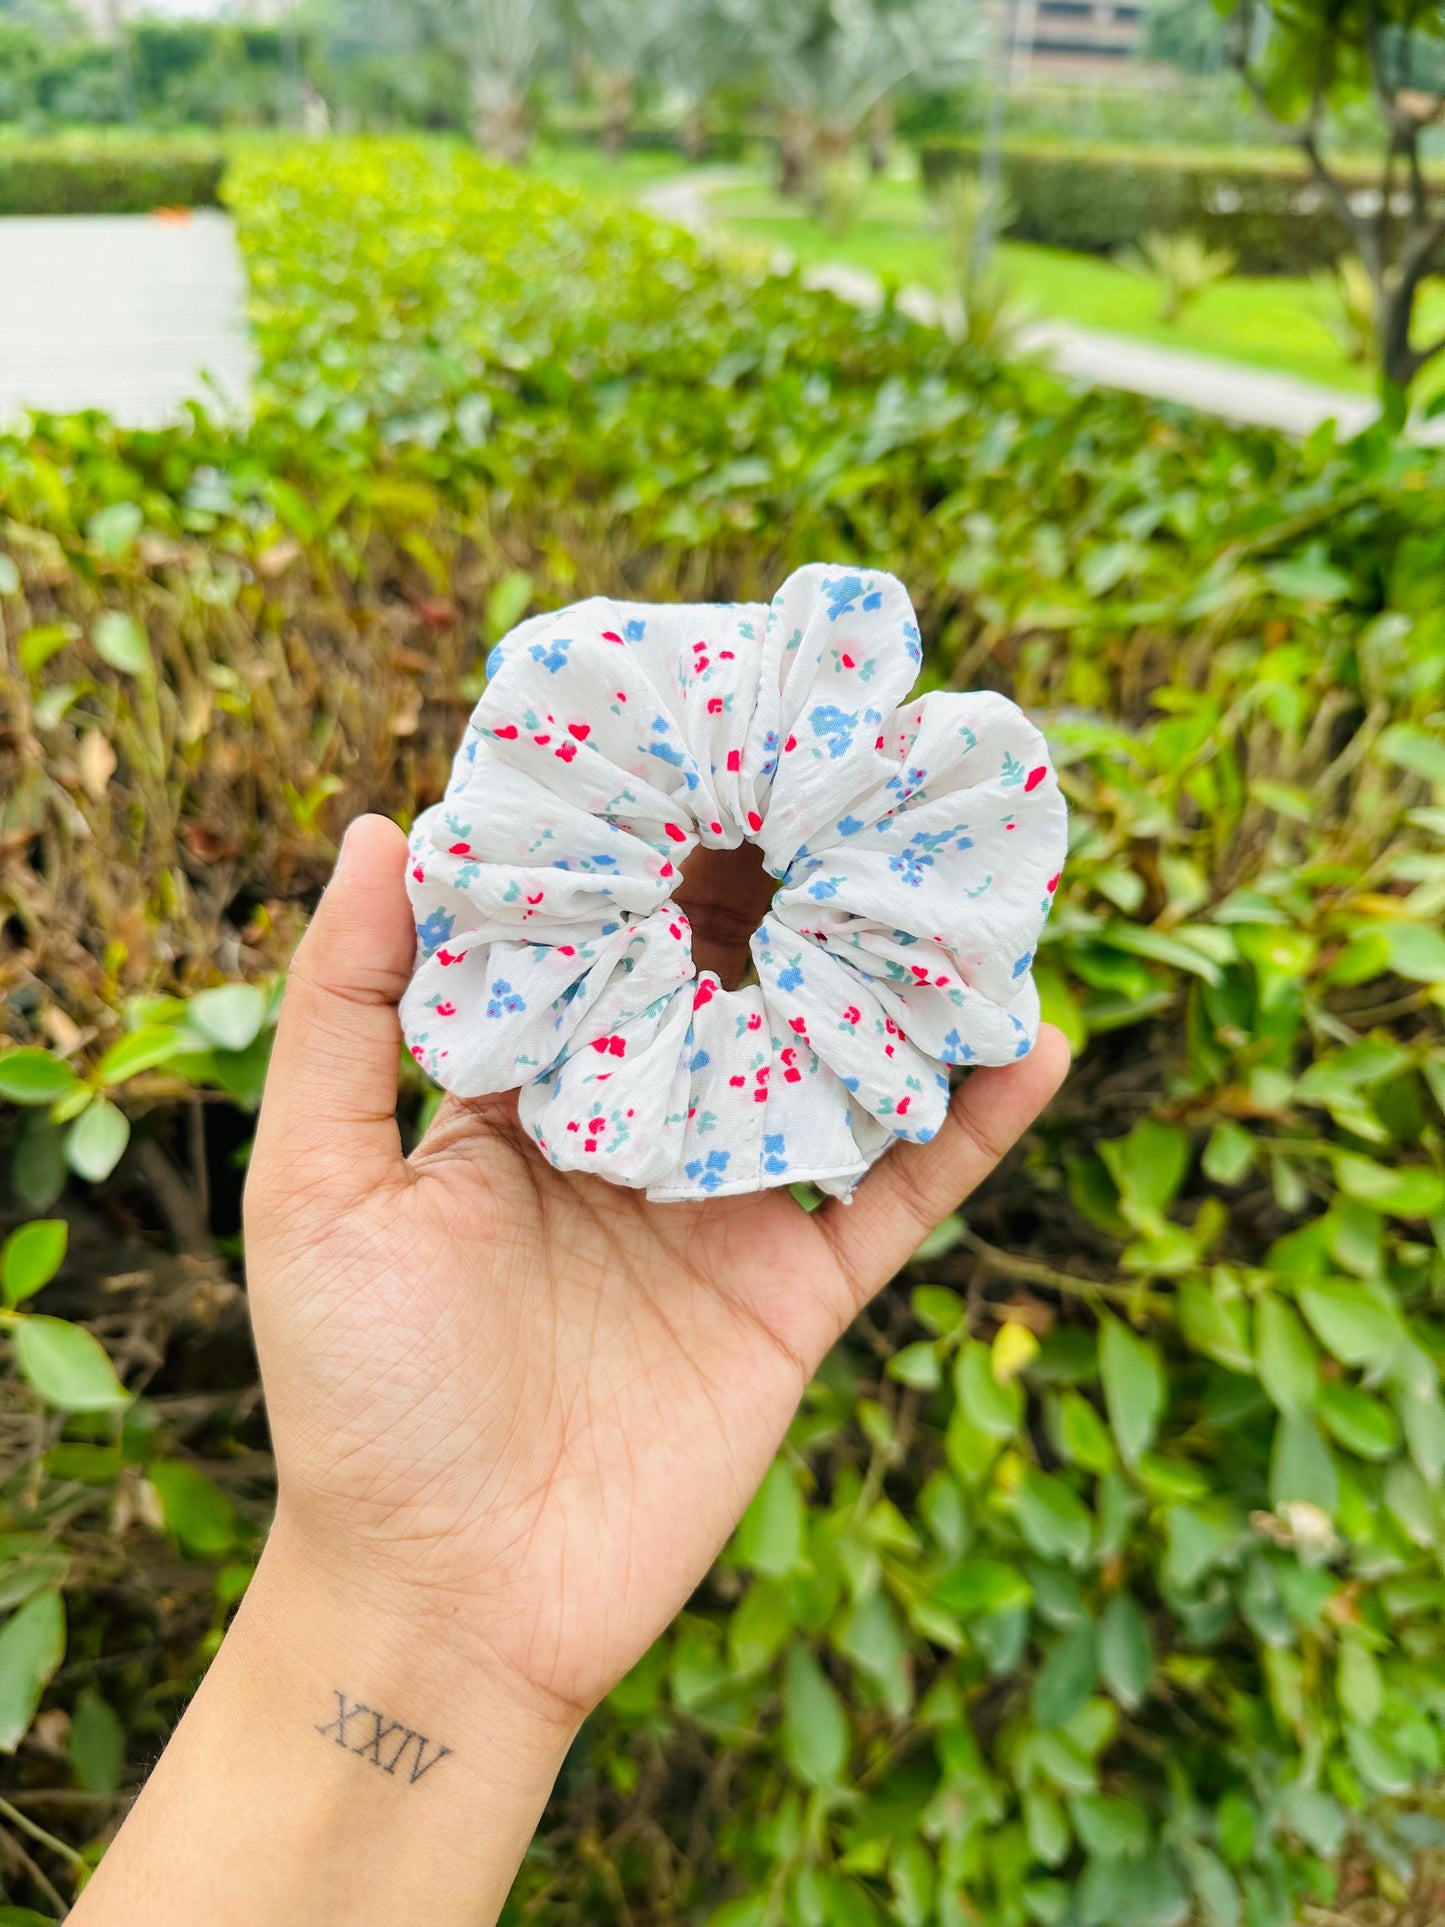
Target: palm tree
x=832 y=63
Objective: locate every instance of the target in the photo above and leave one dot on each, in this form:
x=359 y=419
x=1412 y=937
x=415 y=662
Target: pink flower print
x=735 y=763
x=1036 y=776
x=610 y=1046
x=580 y=730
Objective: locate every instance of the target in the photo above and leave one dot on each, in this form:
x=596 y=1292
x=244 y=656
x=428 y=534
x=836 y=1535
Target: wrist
x=352 y=1755
x=412 y=1640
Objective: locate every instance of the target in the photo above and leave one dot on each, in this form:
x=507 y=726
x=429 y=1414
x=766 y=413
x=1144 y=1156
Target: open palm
x=532 y=1402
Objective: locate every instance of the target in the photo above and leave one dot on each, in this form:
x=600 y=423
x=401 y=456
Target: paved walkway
x=1260 y=397
x=132 y=313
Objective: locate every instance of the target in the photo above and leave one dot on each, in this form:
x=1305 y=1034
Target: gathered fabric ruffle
x=916 y=844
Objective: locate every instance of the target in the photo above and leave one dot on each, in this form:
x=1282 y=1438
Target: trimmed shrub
x=1099 y=1581
x=1263 y=207
x=106 y=177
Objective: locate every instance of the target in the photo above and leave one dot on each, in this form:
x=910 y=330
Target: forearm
x=341 y=1762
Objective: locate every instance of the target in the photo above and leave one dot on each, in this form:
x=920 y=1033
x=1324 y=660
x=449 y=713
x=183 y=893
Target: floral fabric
x=917 y=845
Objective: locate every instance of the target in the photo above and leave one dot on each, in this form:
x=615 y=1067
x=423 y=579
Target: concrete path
x=1258 y=397
x=131 y=313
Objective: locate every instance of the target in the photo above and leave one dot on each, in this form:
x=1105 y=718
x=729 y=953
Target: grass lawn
x=585 y=165
x=1267 y=323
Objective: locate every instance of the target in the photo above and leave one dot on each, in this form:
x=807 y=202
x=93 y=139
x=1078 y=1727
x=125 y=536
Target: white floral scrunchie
x=917 y=845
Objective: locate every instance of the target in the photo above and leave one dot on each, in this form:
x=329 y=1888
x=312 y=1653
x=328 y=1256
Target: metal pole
x=990 y=170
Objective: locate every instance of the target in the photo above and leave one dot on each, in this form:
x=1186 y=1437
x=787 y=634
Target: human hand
x=516 y=1409
x=515 y=1414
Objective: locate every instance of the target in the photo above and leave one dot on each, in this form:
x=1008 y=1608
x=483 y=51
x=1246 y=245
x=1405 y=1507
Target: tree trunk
x=695 y=132
x=1394 y=311
x=502 y=127
x=619 y=99
x=795 y=152
x=880 y=136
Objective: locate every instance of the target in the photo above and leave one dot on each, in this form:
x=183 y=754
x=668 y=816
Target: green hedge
x=1137 y=1626
x=105 y=177
x=1096 y=199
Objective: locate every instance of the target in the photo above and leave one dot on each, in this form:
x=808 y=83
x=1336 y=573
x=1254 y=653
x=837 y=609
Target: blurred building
x=1076 y=40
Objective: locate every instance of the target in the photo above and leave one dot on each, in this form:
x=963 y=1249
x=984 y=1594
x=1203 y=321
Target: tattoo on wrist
x=380 y=1741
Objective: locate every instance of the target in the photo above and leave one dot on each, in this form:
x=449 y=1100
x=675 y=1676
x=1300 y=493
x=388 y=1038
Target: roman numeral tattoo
x=380 y=1741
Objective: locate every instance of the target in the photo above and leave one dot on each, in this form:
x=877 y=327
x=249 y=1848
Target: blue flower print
x=432 y=934
x=494 y=661
x=635 y=630
x=842 y=594
x=914 y=641
x=709 y=1175
x=553 y=657
x=1022 y=965
x=774 y=1153
x=821 y=889
x=790 y=977
x=504 y=1001
x=699 y=1061
x=835 y=726
x=850 y=825
x=955 y=1051
x=1025 y=1043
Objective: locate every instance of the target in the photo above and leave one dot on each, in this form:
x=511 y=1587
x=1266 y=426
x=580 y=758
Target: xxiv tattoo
x=380 y=1741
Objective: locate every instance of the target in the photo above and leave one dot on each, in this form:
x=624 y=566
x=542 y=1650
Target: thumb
x=330 y=1101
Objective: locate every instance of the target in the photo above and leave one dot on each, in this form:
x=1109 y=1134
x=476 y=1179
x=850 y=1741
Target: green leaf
x=1083 y=1437
x=980 y=1587
x=1126 y=1651
x=1358 y=1325
x=1301 y=1470
x=32 y=1645
x=1109 y=1827
x=1363 y=1425
x=1134 y=1388
x=198 y=1515
x=815 y=1726
x=140 y=1050
x=1145 y=1892
x=30 y=1076
x=1358 y=1683
x=1047 y=1825
x=1053 y=1518
x=759 y=1627
x=97 y=1743
x=38 y=645
x=1066 y=1678
x=120 y=641
x=1408 y=1191
x=1229 y=1153
x=770 y=1535
x=1414 y=750
x=996 y=1410
x=1148 y=1166
x=1283 y=1355
x=112 y=530
x=506 y=603
x=937 y=1309
x=31 y=1256
x=1214 y=1888
x=917 y=1366
x=96 y=1141
x=66 y=1365
x=231 y=1015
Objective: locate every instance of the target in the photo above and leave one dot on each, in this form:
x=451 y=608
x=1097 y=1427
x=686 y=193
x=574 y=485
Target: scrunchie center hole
x=726 y=894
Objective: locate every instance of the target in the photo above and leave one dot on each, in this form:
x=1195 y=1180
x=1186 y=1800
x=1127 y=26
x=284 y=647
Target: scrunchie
x=917 y=846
